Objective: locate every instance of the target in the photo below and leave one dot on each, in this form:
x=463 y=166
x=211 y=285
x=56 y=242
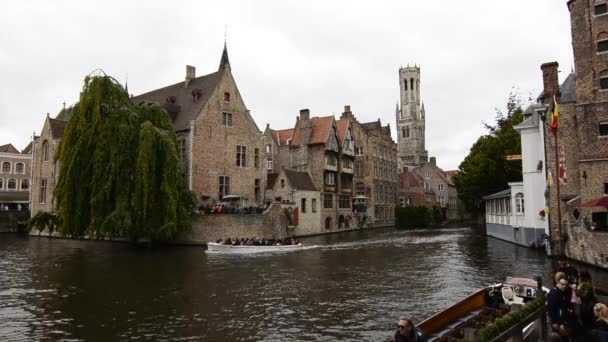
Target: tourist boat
x=245 y=249
x=479 y=309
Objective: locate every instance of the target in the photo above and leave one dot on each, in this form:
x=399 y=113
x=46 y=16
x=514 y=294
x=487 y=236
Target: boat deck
x=474 y=319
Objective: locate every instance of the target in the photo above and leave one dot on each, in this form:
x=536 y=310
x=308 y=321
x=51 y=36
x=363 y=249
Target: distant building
x=45 y=167
x=220 y=147
x=299 y=196
x=411 y=120
x=445 y=191
x=15 y=173
x=414 y=191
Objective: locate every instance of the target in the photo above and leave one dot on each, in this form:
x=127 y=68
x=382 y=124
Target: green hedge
x=502 y=324
x=416 y=217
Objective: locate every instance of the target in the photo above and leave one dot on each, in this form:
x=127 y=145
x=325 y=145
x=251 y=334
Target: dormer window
x=226 y=97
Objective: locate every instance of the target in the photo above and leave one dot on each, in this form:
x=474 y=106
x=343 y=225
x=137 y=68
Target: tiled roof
x=295 y=140
x=184 y=108
x=300 y=180
x=321 y=126
x=8 y=148
x=342 y=126
x=283 y=136
x=57 y=128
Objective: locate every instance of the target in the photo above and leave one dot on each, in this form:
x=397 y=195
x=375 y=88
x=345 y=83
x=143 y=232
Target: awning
x=598 y=202
x=360 y=197
x=230 y=197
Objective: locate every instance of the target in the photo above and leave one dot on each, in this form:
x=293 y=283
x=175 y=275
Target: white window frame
x=520 y=203
x=330 y=178
x=227 y=119
x=21 y=184
x=15 y=166
x=269 y=165
x=10 y=167
x=440 y=187
x=8 y=181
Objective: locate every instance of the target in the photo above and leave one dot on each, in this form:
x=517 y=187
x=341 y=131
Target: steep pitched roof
x=342 y=126
x=300 y=180
x=224 y=62
x=8 y=148
x=27 y=149
x=184 y=108
x=57 y=128
x=283 y=136
x=321 y=126
x=370 y=126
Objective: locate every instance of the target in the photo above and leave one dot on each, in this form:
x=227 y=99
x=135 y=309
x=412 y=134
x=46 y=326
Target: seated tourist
x=407 y=332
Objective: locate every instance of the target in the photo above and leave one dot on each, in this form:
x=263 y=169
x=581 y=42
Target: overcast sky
x=288 y=55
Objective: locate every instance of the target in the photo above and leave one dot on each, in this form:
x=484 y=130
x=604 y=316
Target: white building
x=515 y=214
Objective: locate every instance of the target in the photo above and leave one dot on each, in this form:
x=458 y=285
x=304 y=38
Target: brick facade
x=15 y=183
x=585 y=143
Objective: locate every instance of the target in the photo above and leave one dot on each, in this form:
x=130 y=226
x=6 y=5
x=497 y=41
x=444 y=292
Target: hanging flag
x=554 y=116
x=549 y=179
x=563 y=177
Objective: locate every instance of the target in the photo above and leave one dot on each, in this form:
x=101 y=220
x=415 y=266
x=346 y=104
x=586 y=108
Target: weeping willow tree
x=119 y=169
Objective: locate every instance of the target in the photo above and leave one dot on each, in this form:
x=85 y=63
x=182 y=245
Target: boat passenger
x=600 y=327
x=559 y=309
x=570 y=271
x=407 y=332
x=586 y=293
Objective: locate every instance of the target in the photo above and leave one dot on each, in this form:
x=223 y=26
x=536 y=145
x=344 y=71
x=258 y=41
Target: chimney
x=433 y=161
x=347 y=112
x=304 y=114
x=550 y=81
x=190 y=74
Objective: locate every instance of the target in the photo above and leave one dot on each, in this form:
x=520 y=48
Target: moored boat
x=479 y=309
x=246 y=249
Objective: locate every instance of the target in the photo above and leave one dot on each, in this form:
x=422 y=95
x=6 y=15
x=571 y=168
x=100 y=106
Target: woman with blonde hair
x=600 y=328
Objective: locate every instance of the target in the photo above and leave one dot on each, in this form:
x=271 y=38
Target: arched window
x=328 y=223
x=412 y=84
x=341 y=221
x=11 y=184
x=1 y=183
x=6 y=167
x=45 y=150
x=519 y=203
x=602 y=42
x=20 y=168
x=25 y=184
x=405 y=85
x=604 y=79
x=407 y=131
x=403 y=132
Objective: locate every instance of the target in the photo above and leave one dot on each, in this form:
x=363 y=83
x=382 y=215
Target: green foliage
x=43 y=220
x=120 y=172
x=502 y=324
x=416 y=217
x=486 y=169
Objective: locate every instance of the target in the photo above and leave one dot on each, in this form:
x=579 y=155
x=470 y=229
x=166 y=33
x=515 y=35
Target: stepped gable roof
x=283 y=136
x=184 y=108
x=567 y=89
x=342 y=126
x=8 y=148
x=57 y=128
x=321 y=126
x=271 y=179
x=27 y=149
x=300 y=180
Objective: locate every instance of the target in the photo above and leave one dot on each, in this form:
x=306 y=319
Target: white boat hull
x=240 y=249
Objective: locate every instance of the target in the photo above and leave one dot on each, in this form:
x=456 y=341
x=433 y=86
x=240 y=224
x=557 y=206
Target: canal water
x=349 y=287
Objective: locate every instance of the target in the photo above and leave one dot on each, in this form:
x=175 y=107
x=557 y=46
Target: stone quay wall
x=272 y=224
x=9 y=220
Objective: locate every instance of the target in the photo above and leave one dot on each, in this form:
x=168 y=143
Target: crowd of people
x=258 y=241
x=222 y=208
x=573 y=309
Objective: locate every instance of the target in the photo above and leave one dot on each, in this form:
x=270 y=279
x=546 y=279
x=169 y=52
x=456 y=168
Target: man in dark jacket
x=558 y=308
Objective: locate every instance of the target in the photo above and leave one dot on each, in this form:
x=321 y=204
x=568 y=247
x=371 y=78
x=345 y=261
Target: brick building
x=45 y=169
x=375 y=170
x=583 y=135
x=15 y=173
x=297 y=193
x=414 y=191
x=219 y=144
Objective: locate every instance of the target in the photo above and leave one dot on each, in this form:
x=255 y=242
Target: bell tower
x=410 y=119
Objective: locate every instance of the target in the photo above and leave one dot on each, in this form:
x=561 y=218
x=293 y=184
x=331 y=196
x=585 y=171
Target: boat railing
x=537 y=330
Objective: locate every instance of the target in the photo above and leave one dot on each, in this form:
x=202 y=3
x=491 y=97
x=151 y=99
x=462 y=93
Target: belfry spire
x=224 y=62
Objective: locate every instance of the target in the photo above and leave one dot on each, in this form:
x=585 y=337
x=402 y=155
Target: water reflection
x=348 y=287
